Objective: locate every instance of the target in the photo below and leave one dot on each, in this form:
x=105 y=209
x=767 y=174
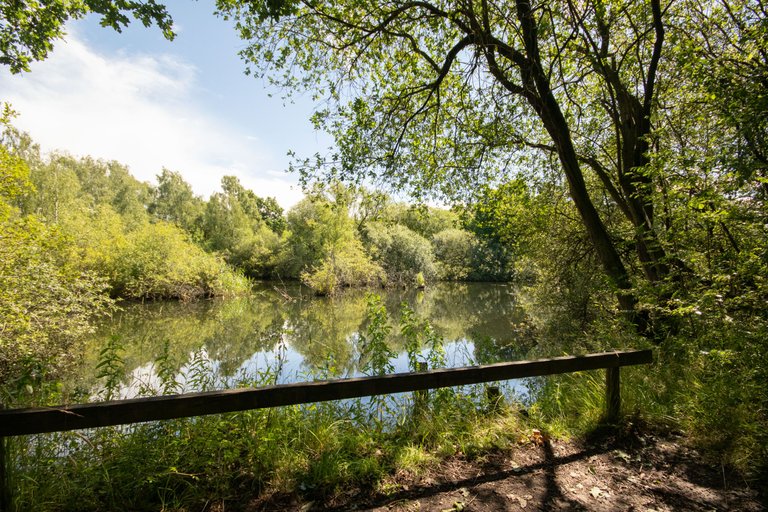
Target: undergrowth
x=707 y=385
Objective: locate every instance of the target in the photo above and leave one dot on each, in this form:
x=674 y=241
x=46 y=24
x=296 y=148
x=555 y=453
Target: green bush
x=401 y=252
x=348 y=267
x=46 y=308
x=159 y=261
x=453 y=250
x=47 y=302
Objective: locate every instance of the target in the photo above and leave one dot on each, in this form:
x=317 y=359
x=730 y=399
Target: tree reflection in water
x=309 y=337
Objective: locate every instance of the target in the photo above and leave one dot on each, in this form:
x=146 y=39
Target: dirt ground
x=646 y=474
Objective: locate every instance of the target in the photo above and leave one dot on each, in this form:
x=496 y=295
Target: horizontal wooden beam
x=38 y=420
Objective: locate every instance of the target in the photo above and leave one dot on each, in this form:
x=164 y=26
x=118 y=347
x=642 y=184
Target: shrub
x=401 y=252
x=454 y=249
x=47 y=305
x=160 y=262
x=348 y=267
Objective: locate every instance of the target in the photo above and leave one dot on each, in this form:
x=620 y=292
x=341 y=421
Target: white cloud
x=140 y=111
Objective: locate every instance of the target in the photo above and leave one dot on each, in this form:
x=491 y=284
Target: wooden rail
x=14 y=422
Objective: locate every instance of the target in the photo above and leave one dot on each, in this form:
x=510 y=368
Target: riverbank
x=640 y=471
x=386 y=452
x=456 y=455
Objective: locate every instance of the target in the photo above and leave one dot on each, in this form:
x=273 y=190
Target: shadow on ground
x=648 y=474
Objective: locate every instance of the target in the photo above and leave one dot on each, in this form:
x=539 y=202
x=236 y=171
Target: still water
x=284 y=331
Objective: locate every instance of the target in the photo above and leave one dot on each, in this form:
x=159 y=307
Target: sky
x=148 y=103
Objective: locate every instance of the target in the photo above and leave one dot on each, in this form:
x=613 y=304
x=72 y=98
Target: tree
x=422 y=219
x=435 y=96
x=128 y=196
x=47 y=301
x=65 y=185
x=56 y=189
x=346 y=266
x=319 y=226
x=233 y=226
x=14 y=181
x=727 y=60
x=453 y=250
x=322 y=247
x=28 y=29
x=272 y=213
x=174 y=201
x=509 y=221
x=255 y=207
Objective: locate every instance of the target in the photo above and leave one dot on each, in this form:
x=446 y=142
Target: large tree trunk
x=631 y=115
x=635 y=184
x=539 y=94
x=557 y=127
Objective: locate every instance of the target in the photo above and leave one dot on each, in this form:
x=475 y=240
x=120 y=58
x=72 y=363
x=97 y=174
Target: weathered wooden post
x=494 y=398
x=612 y=394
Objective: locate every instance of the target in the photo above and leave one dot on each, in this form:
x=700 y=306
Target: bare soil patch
x=648 y=473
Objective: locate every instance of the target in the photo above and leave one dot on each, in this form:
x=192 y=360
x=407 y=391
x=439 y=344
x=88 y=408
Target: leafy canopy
x=28 y=28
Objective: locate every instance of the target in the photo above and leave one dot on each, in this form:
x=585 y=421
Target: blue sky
x=150 y=103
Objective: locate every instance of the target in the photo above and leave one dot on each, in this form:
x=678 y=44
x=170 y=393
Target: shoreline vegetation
x=80 y=234
x=160 y=241
x=98 y=235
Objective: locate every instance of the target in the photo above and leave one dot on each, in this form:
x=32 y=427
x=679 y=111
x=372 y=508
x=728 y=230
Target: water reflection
x=305 y=336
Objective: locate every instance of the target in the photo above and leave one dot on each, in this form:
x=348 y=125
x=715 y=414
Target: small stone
x=596 y=492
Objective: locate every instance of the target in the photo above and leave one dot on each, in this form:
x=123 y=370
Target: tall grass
x=707 y=383
x=313 y=449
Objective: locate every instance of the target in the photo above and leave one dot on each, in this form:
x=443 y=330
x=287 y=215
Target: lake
x=282 y=333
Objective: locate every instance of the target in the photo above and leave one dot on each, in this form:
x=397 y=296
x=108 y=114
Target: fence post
x=421 y=397
x=494 y=398
x=612 y=393
x=5 y=488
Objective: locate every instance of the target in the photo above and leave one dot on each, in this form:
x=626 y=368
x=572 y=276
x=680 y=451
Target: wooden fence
x=37 y=420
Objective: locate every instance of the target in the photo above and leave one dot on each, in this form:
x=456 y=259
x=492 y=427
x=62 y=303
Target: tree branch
x=655 y=57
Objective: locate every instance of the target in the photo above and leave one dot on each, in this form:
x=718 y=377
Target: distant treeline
x=163 y=241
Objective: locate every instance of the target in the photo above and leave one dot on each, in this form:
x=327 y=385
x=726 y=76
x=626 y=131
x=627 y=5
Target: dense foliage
x=46 y=299
x=611 y=155
x=72 y=234
x=163 y=241
x=77 y=231
x=602 y=99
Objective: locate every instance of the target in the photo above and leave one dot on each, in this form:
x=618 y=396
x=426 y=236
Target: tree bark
x=631 y=115
x=548 y=109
